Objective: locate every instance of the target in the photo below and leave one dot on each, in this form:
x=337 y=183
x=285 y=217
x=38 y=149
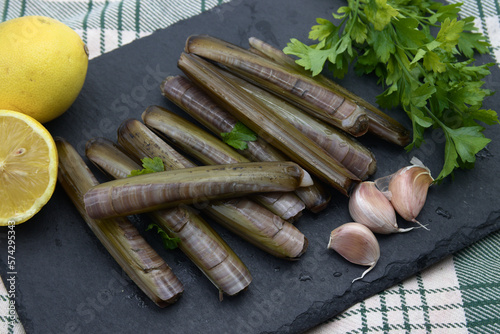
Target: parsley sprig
x=168 y=242
x=239 y=136
x=152 y=166
x=432 y=78
x=149 y=166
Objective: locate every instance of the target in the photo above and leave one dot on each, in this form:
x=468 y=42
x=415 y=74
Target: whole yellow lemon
x=43 y=64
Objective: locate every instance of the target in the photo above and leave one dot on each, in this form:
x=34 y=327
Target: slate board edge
x=316 y=314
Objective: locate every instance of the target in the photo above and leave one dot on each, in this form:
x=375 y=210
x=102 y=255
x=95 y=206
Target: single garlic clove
x=408 y=188
x=357 y=244
x=368 y=206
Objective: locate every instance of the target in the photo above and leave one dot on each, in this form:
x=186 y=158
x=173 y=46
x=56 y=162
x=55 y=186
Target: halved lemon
x=28 y=167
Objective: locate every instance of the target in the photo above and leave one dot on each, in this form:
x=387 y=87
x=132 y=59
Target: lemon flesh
x=28 y=167
x=43 y=65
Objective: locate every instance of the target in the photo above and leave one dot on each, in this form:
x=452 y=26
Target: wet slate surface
x=68 y=283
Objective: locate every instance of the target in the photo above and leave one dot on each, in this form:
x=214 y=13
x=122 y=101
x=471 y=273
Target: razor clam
x=209 y=150
x=108 y=158
x=139 y=141
x=380 y=124
x=349 y=152
x=200 y=106
x=244 y=217
x=148 y=192
x=121 y=239
x=201 y=244
x=267 y=123
x=333 y=107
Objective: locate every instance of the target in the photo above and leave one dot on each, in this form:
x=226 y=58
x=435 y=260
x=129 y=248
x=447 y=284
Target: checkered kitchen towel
x=461 y=294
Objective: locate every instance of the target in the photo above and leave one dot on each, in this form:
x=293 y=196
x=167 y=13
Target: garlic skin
x=357 y=244
x=408 y=188
x=370 y=207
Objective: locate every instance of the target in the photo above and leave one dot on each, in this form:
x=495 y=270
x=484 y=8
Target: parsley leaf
x=470 y=39
x=149 y=166
x=168 y=242
x=239 y=136
x=461 y=146
x=433 y=79
x=323 y=30
x=449 y=33
x=379 y=13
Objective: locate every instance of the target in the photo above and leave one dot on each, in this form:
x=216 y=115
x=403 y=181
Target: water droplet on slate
x=337 y=274
x=304 y=278
x=484 y=154
x=442 y=212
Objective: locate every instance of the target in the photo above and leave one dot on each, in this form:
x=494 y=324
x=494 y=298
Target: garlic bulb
x=408 y=188
x=368 y=206
x=357 y=244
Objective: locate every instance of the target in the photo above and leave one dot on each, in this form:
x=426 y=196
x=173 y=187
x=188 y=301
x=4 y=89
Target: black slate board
x=68 y=283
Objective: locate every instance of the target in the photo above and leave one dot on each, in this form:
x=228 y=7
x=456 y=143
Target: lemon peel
x=43 y=65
